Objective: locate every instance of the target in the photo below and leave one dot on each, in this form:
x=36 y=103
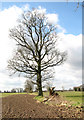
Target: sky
x=69 y=20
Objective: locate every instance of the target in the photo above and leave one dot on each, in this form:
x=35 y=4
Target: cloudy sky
x=69 y=20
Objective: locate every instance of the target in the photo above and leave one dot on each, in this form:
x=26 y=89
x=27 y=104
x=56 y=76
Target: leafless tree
x=48 y=85
x=28 y=86
x=13 y=90
x=62 y=88
x=19 y=90
x=36 y=47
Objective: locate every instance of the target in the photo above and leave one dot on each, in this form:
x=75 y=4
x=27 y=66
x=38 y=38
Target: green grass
x=46 y=94
x=0 y=94
x=39 y=98
x=75 y=97
x=71 y=93
x=7 y=94
x=34 y=93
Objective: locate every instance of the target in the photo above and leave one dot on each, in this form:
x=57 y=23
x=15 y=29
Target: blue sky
x=70 y=18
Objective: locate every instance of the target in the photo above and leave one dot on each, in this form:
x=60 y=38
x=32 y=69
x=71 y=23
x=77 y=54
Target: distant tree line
x=14 y=90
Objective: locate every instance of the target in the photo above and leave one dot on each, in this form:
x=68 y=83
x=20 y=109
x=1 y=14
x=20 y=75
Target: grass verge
x=8 y=94
x=39 y=98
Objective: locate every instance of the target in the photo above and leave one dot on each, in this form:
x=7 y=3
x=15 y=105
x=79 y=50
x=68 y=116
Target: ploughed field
x=24 y=106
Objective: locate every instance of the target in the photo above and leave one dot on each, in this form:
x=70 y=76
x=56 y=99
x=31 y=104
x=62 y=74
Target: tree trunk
x=39 y=82
x=40 y=93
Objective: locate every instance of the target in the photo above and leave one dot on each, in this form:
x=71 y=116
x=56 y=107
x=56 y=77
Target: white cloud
x=73 y=45
x=7 y=82
x=52 y=18
x=68 y=74
x=7 y=20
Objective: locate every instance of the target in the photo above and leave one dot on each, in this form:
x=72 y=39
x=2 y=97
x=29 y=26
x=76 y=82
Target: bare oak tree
x=28 y=86
x=36 y=46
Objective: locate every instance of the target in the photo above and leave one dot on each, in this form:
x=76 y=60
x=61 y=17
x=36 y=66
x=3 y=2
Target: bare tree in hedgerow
x=36 y=46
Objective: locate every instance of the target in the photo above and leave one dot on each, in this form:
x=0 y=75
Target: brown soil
x=24 y=106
